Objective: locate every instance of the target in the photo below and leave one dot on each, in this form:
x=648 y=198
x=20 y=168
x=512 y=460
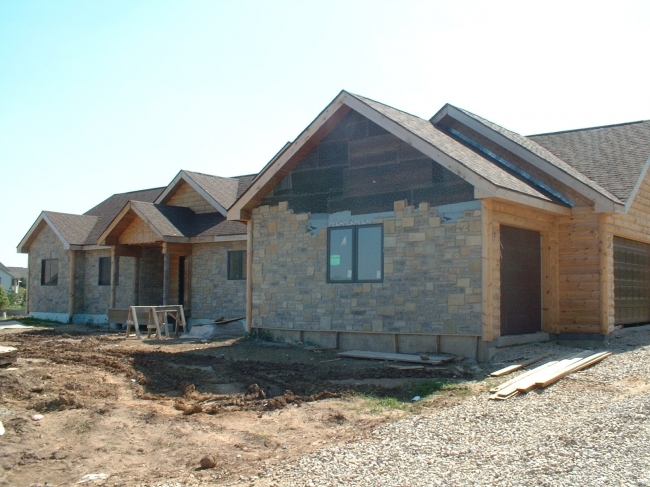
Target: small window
x=355 y=254
x=49 y=272
x=236 y=264
x=105 y=271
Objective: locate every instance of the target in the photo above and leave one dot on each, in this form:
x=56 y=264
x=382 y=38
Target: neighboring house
x=6 y=277
x=168 y=245
x=376 y=229
x=18 y=273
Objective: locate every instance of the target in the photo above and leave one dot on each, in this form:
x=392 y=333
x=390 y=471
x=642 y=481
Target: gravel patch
x=591 y=428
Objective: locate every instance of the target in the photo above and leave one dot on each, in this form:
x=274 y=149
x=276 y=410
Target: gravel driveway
x=590 y=429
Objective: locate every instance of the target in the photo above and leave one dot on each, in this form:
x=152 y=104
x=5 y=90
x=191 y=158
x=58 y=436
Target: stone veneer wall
x=48 y=299
x=432 y=276
x=95 y=298
x=213 y=295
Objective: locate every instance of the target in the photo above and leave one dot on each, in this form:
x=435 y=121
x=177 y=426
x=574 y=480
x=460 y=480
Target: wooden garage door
x=631 y=281
x=521 y=281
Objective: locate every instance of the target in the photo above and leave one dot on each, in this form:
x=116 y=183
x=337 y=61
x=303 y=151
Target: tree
x=4 y=299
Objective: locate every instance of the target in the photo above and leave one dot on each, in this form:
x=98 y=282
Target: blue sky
x=105 y=97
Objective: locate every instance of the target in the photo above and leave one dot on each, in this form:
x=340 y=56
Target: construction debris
x=8 y=355
x=398 y=357
x=512 y=368
x=547 y=374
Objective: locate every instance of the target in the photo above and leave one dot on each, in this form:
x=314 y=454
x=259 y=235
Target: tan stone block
x=399 y=205
x=390 y=242
x=272 y=227
x=410 y=307
x=429 y=286
x=302 y=217
x=367 y=287
x=388 y=268
x=434 y=222
x=475 y=226
x=264 y=209
x=424 y=207
x=283 y=206
x=389 y=227
x=472 y=240
x=353 y=302
x=455 y=299
x=271 y=249
x=417 y=237
x=453 y=310
x=408 y=222
x=463 y=282
x=398 y=301
x=386 y=311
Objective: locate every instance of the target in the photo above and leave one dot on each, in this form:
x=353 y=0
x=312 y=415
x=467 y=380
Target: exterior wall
x=212 y=294
x=495 y=214
x=152 y=268
x=187 y=197
x=48 y=299
x=579 y=273
x=5 y=280
x=432 y=276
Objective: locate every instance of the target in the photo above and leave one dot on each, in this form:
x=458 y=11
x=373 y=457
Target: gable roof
x=83 y=230
x=487 y=177
x=18 y=272
x=534 y=153
x=4 y=268
x=220 y=192
x=172 y=223
x=614 y=156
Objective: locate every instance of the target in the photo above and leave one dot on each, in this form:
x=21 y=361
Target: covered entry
x=521 y=281
x=631 y=282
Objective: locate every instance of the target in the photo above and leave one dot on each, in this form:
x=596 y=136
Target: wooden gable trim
x=35 y=229
x=602 y=203
x=289 y=158
x=106 y=238
x=183 y=176
x=639 y=182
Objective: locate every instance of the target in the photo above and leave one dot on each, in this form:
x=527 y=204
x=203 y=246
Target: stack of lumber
x=399 y=357
x=547 y=374
x=8 y=355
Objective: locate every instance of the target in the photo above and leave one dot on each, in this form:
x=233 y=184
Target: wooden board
x=512 y=368
x=397 y=357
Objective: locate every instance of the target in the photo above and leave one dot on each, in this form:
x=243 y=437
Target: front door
x=521 y=281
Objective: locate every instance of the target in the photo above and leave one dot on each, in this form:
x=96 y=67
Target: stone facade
x=95 y=299
x=432 y=275
x=213 y=295
x=48 y=299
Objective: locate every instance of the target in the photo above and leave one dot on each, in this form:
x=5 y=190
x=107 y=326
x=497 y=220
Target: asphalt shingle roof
x=75 y=229
x=613 y=156
x=465 y=156
x=539 y=150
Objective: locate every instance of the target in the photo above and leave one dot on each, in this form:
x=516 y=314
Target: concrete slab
x=234 y=329
x=14 y=325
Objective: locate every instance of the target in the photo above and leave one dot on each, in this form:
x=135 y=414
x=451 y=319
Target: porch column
x=165 y=276
x=136 y=290
x=71 y=285
x=249 y=275
x=113 y=275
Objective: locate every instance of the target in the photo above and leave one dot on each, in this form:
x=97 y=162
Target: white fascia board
x=537 y=161
x=169 y=188
x=66 y=244
x=420 y=144
x=235 y=212
x=21 y=248
x=639 y=182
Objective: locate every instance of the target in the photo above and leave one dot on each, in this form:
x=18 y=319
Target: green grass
x=39 y=323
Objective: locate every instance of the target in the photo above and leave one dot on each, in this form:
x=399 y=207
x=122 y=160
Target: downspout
x=249 y=275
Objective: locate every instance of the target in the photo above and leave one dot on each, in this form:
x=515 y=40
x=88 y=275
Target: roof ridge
x=361 y=97
x=209 y=175
x=589 y=128
x=68 y=214
x=138 y=191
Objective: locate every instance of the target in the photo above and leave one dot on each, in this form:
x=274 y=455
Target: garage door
x=521 y=281
x=631 y=281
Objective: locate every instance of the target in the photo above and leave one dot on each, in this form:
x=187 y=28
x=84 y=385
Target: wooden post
x=606 y=272
x=249 y=276
x=71 y=285
x=136 y=290
x=113 y=275
x=165 y=276
x=486 y=270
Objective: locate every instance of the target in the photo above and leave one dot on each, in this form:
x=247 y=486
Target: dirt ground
x=145 y=412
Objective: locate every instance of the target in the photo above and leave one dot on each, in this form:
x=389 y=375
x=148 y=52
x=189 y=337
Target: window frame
x=46 y=265
x=117 y=271
x=243 y=261
x=355 y=253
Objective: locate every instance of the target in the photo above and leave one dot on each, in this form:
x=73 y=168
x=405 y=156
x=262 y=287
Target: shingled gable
x=220 y=192
x=173 y=224
x=537 y=155
x=594 y=150
x=488 y=179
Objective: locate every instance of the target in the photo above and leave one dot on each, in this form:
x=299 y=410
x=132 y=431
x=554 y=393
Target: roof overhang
x=121 y=222
x=601 y=202
x=323 y=124
x=35 y=229
x=182 y=176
